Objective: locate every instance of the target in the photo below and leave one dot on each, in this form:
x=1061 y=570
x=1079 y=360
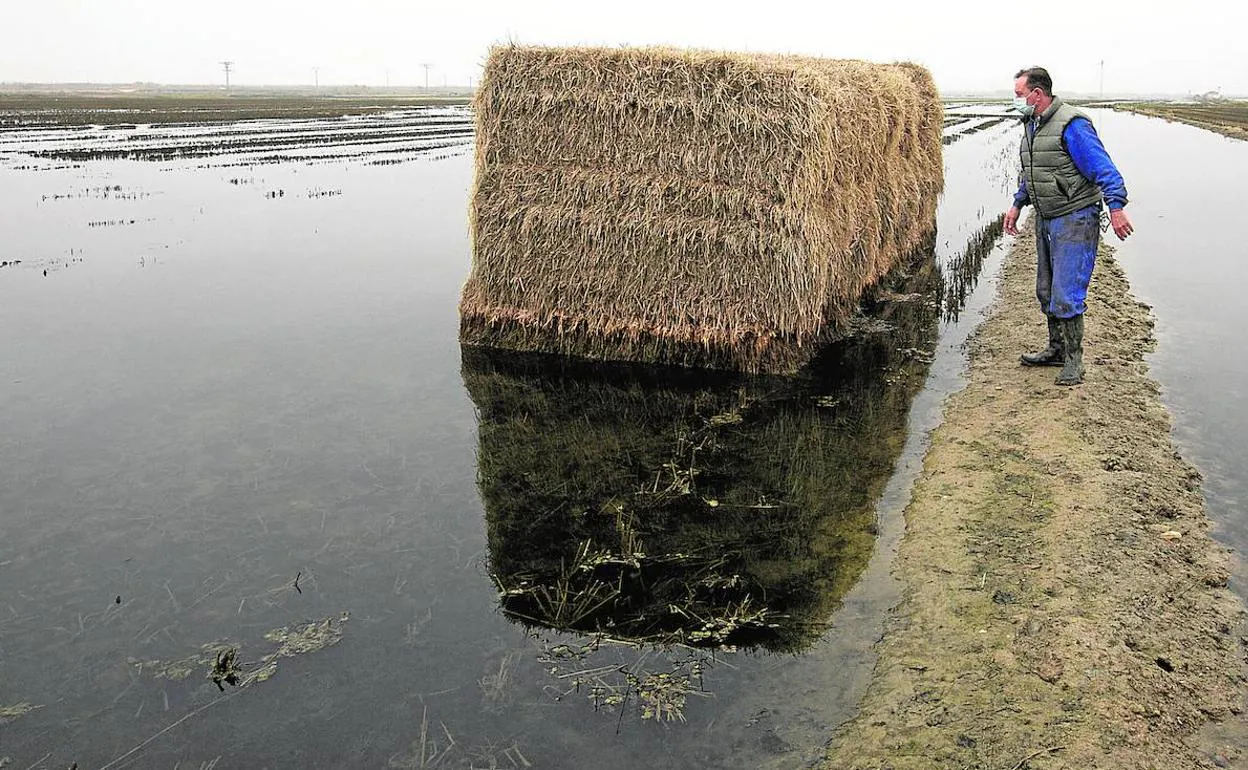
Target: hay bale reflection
x=669 y=506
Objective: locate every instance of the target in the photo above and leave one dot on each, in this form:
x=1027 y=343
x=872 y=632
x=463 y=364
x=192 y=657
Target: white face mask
x=1020 y=104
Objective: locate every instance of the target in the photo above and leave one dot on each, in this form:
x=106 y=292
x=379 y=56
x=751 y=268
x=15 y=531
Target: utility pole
x=1102 y=78
x=427 y=68
x=226 y=65
x=316 y=77
x=387 y=78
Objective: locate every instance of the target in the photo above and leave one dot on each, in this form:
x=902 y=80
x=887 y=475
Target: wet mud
x=1064 y=604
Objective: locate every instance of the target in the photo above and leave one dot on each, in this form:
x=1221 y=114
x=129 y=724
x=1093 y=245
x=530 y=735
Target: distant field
x=1228 y=118
x=51 y=109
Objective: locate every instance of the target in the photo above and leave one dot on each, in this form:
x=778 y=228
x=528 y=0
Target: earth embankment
x=1065 y=606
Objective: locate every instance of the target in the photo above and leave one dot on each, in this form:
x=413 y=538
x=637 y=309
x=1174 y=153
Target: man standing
x=1066 y=173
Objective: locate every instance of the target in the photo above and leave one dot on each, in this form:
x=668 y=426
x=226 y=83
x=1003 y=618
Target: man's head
x=1033 y=87
x=1031 y=78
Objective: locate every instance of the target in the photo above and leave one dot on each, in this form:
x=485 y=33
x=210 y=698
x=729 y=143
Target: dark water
x=1188 y=260
x=232 y=403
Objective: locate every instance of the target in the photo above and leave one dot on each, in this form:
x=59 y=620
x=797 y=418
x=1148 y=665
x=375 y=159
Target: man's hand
x=1011 y=220
x=1118 y=220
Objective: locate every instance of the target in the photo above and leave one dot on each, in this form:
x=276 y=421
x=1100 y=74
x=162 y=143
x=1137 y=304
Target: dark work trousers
x=1066 y=251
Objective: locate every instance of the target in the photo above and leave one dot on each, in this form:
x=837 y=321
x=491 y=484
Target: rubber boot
x=1054 y=354
x=1072 y=342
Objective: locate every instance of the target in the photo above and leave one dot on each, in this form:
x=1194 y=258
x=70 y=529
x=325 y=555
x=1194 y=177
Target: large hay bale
x=690 y=207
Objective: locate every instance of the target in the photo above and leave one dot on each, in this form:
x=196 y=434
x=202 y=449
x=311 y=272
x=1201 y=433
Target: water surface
x=1188 y=260
x=233 y=403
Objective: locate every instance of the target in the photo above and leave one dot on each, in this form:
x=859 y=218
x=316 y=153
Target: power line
x=226 y=65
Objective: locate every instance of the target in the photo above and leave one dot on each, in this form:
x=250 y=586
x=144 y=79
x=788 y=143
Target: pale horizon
x=379 y=43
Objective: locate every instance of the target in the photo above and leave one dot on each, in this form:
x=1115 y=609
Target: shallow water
x=1188 y=260
x=233 y=402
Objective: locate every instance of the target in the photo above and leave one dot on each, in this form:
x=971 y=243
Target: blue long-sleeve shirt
x=1090 y=158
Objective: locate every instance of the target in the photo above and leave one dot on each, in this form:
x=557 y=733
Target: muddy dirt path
x=1064 y=605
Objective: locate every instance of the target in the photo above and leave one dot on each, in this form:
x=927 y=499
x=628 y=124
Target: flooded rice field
x=258 y=508
x=1187 y=261
x=374 y=138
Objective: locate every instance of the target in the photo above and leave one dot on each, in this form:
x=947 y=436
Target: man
x=1066 y=173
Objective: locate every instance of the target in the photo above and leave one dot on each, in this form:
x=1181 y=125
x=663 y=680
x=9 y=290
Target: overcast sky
x=1195 y=45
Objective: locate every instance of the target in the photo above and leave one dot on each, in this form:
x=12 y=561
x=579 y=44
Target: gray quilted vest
x=1054 y=184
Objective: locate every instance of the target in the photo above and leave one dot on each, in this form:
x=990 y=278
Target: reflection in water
x=961 y=274
x=662 y=508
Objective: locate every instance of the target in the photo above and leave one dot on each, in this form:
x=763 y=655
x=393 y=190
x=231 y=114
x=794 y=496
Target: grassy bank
x=1226 y=118
x=1064 y=605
